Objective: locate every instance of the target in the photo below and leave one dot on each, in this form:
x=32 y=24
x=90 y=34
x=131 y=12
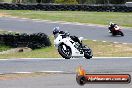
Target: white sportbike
x=68 y=48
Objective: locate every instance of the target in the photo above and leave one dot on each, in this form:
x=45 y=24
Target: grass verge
x=107 y=49
x=23 y=75
x=103 y=18
x=4 y=47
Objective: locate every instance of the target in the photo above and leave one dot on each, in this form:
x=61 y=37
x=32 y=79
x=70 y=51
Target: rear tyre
x=64 y=51
x=113 y=34
x=87 y=56
x=88 y=53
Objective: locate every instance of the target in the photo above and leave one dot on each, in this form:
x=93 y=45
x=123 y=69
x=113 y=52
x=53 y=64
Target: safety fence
x=35 y=40
x=56 y=7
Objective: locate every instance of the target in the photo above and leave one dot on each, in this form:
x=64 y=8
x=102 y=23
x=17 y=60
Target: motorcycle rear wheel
x=65 y=53
x=88 y=54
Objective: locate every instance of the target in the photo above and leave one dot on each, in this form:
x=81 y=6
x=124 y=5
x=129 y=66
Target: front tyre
x=88 y=53
x=64 y=51
x=121 y=33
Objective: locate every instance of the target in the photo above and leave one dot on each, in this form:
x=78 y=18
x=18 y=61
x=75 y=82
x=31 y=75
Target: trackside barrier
x=35 y=40
x=59 y=7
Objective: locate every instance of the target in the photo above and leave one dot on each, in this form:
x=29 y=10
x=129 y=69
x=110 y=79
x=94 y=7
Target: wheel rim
x=66 y=50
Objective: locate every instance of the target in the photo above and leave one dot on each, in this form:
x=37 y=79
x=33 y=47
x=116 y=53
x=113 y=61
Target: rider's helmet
x=56 y=30
x=111 y=23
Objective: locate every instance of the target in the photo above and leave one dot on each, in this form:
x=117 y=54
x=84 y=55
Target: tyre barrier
x=59 y=7
x=33 y=41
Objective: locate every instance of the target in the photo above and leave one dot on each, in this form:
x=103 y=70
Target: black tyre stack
x=62 y=7
x=34 y=41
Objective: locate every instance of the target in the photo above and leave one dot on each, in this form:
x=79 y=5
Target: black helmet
x=56 y=30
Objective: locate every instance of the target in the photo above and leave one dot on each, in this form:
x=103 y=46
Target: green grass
x=23 y=75
x=103 y=18
x=8 y=1
x=110 y=49
x=4 y=47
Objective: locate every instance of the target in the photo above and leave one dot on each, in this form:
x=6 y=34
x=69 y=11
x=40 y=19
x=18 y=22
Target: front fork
x=82 y=48
x=78 y=47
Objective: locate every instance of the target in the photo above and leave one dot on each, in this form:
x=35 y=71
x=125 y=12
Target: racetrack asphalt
x=55 y=81
x=68 y=80
x=92 y=65
x=87 y=31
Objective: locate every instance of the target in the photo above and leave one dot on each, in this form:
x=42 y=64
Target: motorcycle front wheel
x=64 y=51
x=121 y=33
x=88 y=53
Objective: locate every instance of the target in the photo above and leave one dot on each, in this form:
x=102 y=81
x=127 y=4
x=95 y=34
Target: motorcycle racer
x=111 y=26
x=57 y=31
x=115 y=29
x=70 y=46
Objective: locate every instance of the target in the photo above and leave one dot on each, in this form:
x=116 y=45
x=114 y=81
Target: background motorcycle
x=68 y=48
x=116 y=31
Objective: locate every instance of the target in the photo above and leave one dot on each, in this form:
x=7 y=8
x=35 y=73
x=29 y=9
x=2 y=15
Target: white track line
x=25 y=18
x=63 y=58
x=112 y=57
x=94 y=40
x=125 y=43
x=52 y=71
x=109 y=42
x=33 y=72
x=115 y=42
x=71 y=58
x=103 y=41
